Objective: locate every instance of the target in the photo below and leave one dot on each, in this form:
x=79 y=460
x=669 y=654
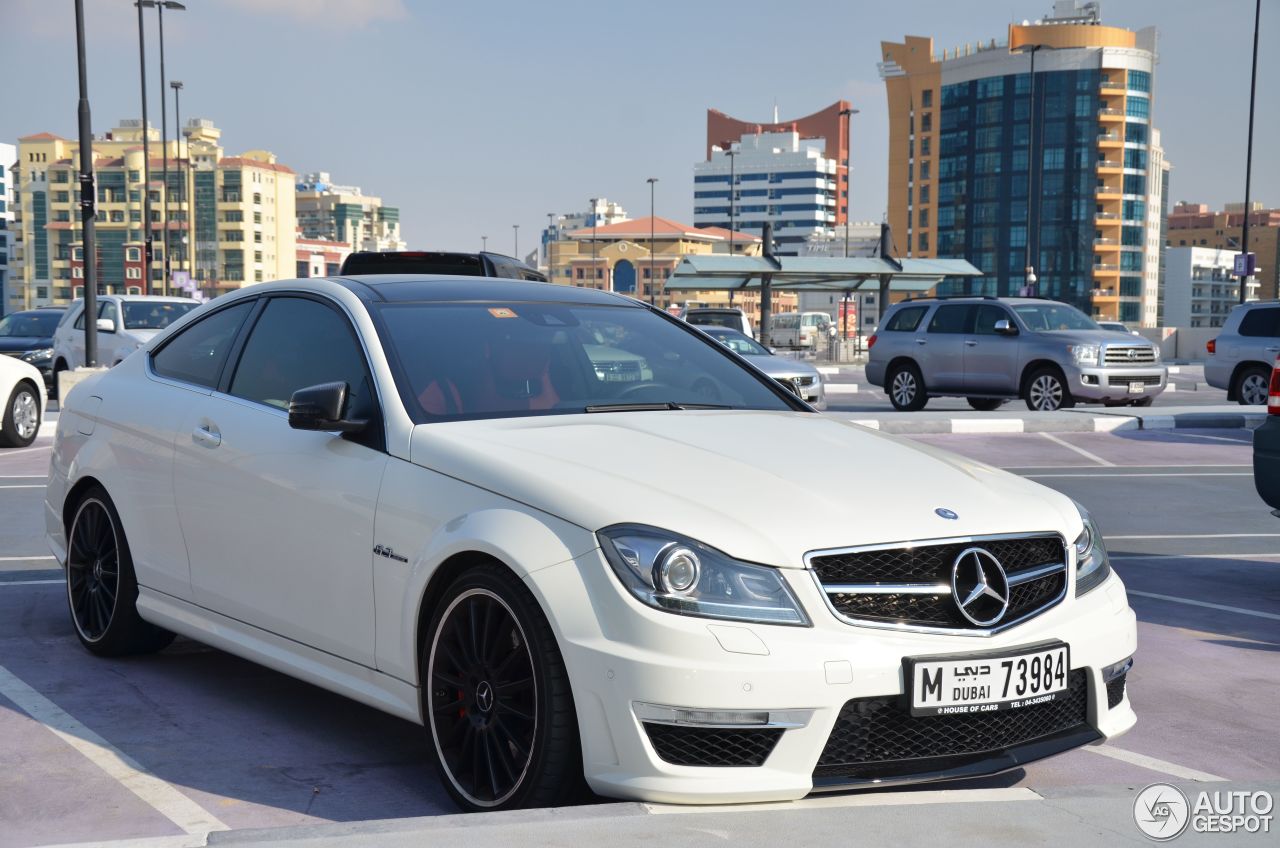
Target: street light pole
x=515 y=229
x=550 y=218
x=848 y=171
x=1248 y=160
x=484 y=243
x=161 y=5
x=1029 y=287
x=146 y=151
x=594 y=275
x=176 y=85
x=653 y=277
x=88 y=197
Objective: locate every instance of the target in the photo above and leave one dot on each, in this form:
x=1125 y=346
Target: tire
x=1047 y=391
x=21 y=420
x=58 y=367
x=906 y=388
x=504 y=691
x=1253 y=386
x=985 y=404
x=1143 y=401
x=102 y=590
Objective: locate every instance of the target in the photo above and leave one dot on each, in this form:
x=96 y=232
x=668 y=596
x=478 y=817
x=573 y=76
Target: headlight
x=1084 y=354
x=1092 y=565
x=679 y=575
x=43 y=354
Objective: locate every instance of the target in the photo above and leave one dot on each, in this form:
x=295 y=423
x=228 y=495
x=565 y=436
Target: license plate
x=1137 y=388
x=987 y=682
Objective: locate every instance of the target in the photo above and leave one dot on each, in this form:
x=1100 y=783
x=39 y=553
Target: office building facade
x=1201 y=287
x=1196 y=225
x=8 y=158
x=1056 y=174
x=346 y=214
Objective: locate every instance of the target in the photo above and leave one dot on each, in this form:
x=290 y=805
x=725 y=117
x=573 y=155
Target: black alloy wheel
x=496 y=697
x=102 y=591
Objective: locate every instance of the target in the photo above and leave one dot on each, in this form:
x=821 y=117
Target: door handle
x=970 y=342
x=1272 y=349
x=922 y=341
x=202 y=435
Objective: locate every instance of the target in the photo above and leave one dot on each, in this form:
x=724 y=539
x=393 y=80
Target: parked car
x=28 y=335
x=483 y=264
x=21 y=388
x=798 y=329
x=709 y=316
x=125 y=323
x=799 y=377
x=990 y=350
x=1266 y=446
x=1240 y=356
x=419 y=494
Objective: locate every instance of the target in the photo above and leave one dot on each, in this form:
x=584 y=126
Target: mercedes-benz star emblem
x=484 y=696
x=943 y=512
x=980 y=587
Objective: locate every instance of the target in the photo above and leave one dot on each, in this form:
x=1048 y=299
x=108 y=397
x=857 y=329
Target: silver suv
x=989 y=349
x=1240 y=357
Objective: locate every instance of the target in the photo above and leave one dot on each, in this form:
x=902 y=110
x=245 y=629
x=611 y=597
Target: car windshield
x=496 y=360
x=716 y=319
x=33 y=324
x=1054 y=316
x=141 y=315
x=737 y=342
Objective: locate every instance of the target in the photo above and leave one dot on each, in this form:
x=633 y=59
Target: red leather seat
x=517 y=377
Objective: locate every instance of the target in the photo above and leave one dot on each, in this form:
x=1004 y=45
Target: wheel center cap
x=97 y=569
x=484 y=696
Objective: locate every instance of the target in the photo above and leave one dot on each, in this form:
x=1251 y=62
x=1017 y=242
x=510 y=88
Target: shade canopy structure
x=717 y=272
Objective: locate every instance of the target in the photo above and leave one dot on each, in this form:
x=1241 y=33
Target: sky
x=473 y=116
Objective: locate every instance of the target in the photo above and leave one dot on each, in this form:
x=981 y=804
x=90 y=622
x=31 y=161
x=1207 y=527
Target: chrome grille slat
x=1119 y=355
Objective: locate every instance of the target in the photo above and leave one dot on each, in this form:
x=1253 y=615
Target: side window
x=953 y=318
x=197 y=354
x=1262 y=321
x=79 y=325
x=298 y=343
x=906 y=320
x=109 y=310
x=987 y=318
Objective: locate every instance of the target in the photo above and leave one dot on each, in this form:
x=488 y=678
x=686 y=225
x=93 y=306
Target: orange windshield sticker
x=502 y=312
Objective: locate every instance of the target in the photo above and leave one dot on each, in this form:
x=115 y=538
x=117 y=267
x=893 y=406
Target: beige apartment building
x=346 y=214
x=229 y=221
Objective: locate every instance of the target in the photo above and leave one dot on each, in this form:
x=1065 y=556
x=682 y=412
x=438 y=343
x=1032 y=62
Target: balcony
x=1107 y=216
x=1110 y=139
x=1111 y=85
x=1106 y=268
x=1108 y=193
x=1110 y=164
x=1106 y=242
x=1108 y=114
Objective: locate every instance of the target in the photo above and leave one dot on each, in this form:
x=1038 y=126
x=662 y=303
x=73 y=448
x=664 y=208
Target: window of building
x=1018 y=236
x=1137 y=107
x=257 y=197
x=1084 y=105
x=1139 y=81
x=926 y=98
x=924 y=146
x=257 y=217
x=1136 y=133
x=1135 y=184
x=1131 y=236
x=133 y=273
x=922 y=241
x=923 y=220
x=1054 y=158
x=1135 y=158
x=133 y=254
x=257 y=237
x=926 y=122
x=924 y=193
x=61 y=197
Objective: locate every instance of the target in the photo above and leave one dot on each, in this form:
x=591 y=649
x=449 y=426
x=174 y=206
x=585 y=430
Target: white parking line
x=1086 y=454
x=987 y=425
x=163 y=798
x=842 y=388
x=1206 y=604
x=1136 y=759
x=876 y=799
x=1246 y=442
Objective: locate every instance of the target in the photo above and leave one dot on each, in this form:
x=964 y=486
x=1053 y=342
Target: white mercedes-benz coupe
x=580 y=542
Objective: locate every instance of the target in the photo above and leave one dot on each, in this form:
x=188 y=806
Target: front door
x=279 y=522
x=990 y=358
x=941 y=348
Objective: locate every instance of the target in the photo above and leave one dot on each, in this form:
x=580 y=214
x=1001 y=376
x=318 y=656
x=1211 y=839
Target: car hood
x=779 y=366
x=760 y=486
x=1067 y=337
x=23 y=343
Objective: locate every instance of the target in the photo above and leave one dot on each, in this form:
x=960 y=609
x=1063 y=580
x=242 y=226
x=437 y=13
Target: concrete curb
x=1068 y=421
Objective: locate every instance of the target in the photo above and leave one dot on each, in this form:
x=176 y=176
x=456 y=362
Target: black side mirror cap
x=322 y=408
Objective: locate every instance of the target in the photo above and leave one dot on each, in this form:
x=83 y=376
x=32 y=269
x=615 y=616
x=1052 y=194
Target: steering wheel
x=639 y=387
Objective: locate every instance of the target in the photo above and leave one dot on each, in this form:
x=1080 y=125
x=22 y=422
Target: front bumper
x=1112 y=383
x=620 y=655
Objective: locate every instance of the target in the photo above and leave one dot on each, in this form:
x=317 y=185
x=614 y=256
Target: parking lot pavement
x=179 y=745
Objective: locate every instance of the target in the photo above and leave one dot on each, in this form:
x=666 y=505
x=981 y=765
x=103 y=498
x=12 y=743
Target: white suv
x=125 y=323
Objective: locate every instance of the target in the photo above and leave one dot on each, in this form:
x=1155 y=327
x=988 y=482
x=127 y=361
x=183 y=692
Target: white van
x=798 y=329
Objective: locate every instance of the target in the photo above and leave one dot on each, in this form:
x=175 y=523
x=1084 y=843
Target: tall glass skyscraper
x=1007 y=171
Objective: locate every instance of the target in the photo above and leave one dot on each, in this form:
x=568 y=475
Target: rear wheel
x=21 y=419
x=1143 y=401
x=102 y=591
x=1047 y=391
x=906 y=388
x=985 y=404
x=496 y=697
x=1253 y=386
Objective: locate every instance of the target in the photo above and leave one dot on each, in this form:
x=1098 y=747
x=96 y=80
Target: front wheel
x=102 y=590
x=985 y=404
x=906 y=388
x=21 y=420
x=496 y=697
x=1253 y=386
x=1047 y=391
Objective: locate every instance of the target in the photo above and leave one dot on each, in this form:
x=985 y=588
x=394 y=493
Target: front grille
x=618 y=372
x=1115 y=691
x=855 y=582
x=1120 y=355
x=806 y=381
x=1148 y=380
x=877 y=737
x=688 y=745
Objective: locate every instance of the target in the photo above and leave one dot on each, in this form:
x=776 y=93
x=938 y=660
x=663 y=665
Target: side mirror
x=106 y=325
x=1004 y=328
x=322 y=408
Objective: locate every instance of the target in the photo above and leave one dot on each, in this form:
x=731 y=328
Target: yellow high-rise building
x=230 y=220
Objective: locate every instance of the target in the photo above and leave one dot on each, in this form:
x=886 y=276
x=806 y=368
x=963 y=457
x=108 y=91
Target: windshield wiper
x=650 y=406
